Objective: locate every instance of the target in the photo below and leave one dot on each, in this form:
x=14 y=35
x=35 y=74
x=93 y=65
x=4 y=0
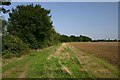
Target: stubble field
x=105 y=50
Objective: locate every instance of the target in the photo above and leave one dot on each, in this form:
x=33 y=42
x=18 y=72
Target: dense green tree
x=64 y=38
x=32 y=24
x=85 y=39
x=72 y=38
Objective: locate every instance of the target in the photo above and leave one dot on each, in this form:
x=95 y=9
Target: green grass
x=74 y=65
x=39 y=66
x=44 y=68
x=15 y=67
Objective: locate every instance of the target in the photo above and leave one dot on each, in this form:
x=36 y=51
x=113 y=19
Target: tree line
x=106 y=40
x=72 y=38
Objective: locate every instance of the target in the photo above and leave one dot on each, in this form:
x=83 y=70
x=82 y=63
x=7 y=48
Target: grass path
x=18 y=68
x=59 y=61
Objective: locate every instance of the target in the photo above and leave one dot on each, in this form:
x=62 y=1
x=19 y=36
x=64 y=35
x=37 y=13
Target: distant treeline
x=72 y=38
x=106 y=40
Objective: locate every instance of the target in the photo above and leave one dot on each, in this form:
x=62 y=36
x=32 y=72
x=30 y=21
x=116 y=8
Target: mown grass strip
x=38 y=68
x=74 y=65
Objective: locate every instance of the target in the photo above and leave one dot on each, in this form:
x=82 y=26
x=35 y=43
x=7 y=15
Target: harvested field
x=105 y=50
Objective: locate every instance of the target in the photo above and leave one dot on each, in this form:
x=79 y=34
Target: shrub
x=6 y=54
x=13 y=45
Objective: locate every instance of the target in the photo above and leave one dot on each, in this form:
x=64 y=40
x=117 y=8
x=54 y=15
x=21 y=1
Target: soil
x=105 y=50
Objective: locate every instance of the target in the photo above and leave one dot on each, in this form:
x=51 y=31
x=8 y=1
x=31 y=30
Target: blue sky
x=94 y=19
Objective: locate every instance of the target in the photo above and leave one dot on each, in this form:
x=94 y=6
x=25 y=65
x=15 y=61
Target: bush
x=6 y=54
x=12 y=45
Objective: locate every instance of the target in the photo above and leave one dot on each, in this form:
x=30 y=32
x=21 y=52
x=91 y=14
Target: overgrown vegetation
x=28 y=26
x=14 y=67
x=13 y=46
x=34 y=21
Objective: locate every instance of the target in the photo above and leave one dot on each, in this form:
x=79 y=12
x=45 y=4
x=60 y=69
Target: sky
x=98 y=20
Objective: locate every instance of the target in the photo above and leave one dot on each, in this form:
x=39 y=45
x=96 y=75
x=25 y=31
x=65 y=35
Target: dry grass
x=106 y=50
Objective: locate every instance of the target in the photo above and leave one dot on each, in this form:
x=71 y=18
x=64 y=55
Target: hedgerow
x=13 y=46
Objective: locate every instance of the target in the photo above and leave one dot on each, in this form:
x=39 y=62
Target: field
x=106 y=50
x=66 y=60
